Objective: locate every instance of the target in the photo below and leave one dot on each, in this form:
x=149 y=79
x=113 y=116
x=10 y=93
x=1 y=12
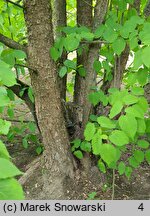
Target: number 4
x=141 y=207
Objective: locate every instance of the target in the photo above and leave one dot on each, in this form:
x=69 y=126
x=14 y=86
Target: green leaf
x=145 y=56
x=139 y=155
x=110 y=35
x=128 y=124
x=124 y=31
x=147 y=125
x=76 y=144
x=99 y=31
x=121 y=168
x=4 y=99
x=136 y=111
x=63 y=71
x=116 y=109
x=97 y=66
x=143 y=104
x=78 y=154
x=119 y=138
x=141 y=126
x=10 y=112
x=106 y=122
x=4 y=127
x=133 y=162
x=142 y=76
x=87 y=35
x=144 y=34
x=70 y=64
x=94 y=98
x=39 y=150
x=130 y=99
x=7 y=77
x=101 y=166
x=128 y=172
x=10 y=189
x=108 y=153
x=32 y=126
x=82 y=71
x=71 y=43
x=25 y=143
x=143 y=144
x=93 y=118
x=119 y=45
x=85 y=146
x=138 y=62
x=131 y=78
x=147 y=156
x=19 y=54
x=11 y=94
x=89 y=131
x=30 y=94
x=91 y=196
x=7 y=169
x=54 y=53
x=3 y=151
x=114 y=97
x=96 y=143
x=137 y=91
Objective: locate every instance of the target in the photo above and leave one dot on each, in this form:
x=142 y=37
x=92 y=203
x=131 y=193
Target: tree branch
x=14 y=3
x=26 y=66
x=147 y=9
x=100 y=12
x=11 y=43
x=17 y=89
x=95 y=42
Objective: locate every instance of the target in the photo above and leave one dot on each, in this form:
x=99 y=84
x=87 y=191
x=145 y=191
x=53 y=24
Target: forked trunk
x=58 y=162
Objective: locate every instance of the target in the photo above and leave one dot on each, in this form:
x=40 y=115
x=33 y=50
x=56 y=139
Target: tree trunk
x=58 y=162
x=83 y=84
x=83 y=7
x=89 y=55
x=60 y=20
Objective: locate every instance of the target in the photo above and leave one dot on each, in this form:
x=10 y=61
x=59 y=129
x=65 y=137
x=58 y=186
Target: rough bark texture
x=121 y=61
x=60 y=20
x=58 y=163
x=147 y=9
x=84 y=13
x=89 y=54
x=83 y=85
x=120 y=68
x=59 y=16
x=11 y=43
x=83 y=8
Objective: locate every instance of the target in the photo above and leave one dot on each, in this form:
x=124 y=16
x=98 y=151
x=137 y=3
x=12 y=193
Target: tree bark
x=84 y=18
x=83 y=84
x=58 y=162
x=60 y=20
x=11 y=43
x=89 y=55
x=121 y=61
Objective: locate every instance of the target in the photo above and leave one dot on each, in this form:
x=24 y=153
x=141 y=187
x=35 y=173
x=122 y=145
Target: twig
x=113 y=185
x=88 y=3
x=32 y=167
x=99 y=82
x=11 y=43
x=15 y=120
x=14 y=3
x=21 y=65
x=95 y=42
